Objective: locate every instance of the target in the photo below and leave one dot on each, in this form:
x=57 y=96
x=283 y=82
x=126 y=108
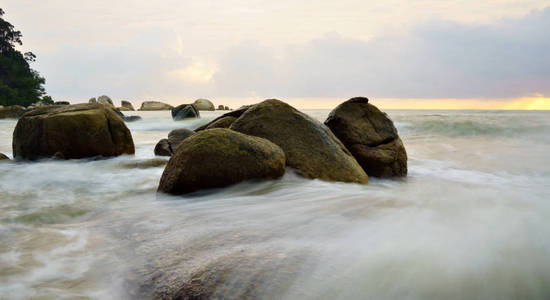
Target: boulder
x=370 y=136
x=12 y=112
x=131 y=118
x=185 y=111
x=235 y=113
x=105 y=100
x=220 y=107
x=61 y=103
x=3 y=157
x=309 y=146
x=203 y=104
x=126 y=105
x=92 y=100
x=71 y=131
x=155 y=105
x=218 y=158
x=226 y=107
x=167 y=147
x=224 y=122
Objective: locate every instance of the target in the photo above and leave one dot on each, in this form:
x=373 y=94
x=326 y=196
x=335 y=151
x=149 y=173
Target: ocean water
x=471 y=221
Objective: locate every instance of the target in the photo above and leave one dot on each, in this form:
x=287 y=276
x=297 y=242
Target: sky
x=312 y=54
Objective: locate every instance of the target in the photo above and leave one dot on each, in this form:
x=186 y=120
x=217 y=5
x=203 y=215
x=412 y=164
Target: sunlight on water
x=470 y=221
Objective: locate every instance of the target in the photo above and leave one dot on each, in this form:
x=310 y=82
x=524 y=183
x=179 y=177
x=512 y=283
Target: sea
x=470 y=221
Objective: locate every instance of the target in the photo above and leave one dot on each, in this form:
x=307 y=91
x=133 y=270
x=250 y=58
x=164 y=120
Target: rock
x=224 y=122
x=220 y=107
x=370 y=136
x=235 y=113
x=218 y=158
x=309 y=146
x=92 y=100
x=12 y=112
x=162 y=148
x=61 y=103
x=72 y=131
x=226 y=107
x=167 y=147
x=203 y=104
x=185 y=111
x=3 y=157
x=155 y=105
x=105 y=100
x=144 y=163
x=122 y=108
x=131 y=118
x=127 y=105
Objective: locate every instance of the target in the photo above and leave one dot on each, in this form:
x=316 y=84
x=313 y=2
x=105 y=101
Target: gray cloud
x=509 y=58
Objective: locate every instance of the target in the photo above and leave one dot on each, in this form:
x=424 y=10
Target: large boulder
x=235 y=114
x=72 y=131
x=12 y=112
x=309 y=146
x=370 y=136
x=155 y=105
x=203 y=104
x=167 y=147
x=224 y=122
x=126 y=105
x=185 y=111
x=218 y=158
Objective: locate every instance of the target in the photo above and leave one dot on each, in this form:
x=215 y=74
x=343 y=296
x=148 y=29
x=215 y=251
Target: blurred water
x=469 y=222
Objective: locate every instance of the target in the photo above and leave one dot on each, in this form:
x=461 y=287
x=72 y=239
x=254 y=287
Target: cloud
x=509 y=58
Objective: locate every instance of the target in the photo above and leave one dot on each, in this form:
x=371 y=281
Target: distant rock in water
x=220 y=107
x=203 y=104
x=226 y=107
x=3 y=157
x=72 y=131
x=167 y=147
x=185 y=111
x=155 y=105
x=144 y=163
x=131 y=118
x=126 y=105
x=61 y=103
x=309 y=146
x=105 y=100
x=370 y=136
x=218 y=158
x=12 y=112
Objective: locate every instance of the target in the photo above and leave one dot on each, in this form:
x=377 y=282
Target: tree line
x=19 y=83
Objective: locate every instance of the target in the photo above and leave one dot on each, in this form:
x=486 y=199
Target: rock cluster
x=71 y=131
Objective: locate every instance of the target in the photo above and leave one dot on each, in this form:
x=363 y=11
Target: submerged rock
x=12 y=112
x=72 y=131
x=3 y=157
x=218 y=158
x=155 y=105
x=370 y=136
x=126 y=105
x=131 y=118
x=309 y=146
x=185 y=111
x=144 y=163
x=203 y=104
x=167 y=147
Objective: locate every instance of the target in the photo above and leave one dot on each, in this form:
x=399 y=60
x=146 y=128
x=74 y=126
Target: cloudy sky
x=423 y=53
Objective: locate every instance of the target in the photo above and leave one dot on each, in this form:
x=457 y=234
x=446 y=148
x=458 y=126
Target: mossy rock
x=370 y=136
x=71 y=131
x=224 y=122
x=309 y=146
x=220 y=157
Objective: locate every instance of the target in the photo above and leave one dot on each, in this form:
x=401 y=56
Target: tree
x=19 y=84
